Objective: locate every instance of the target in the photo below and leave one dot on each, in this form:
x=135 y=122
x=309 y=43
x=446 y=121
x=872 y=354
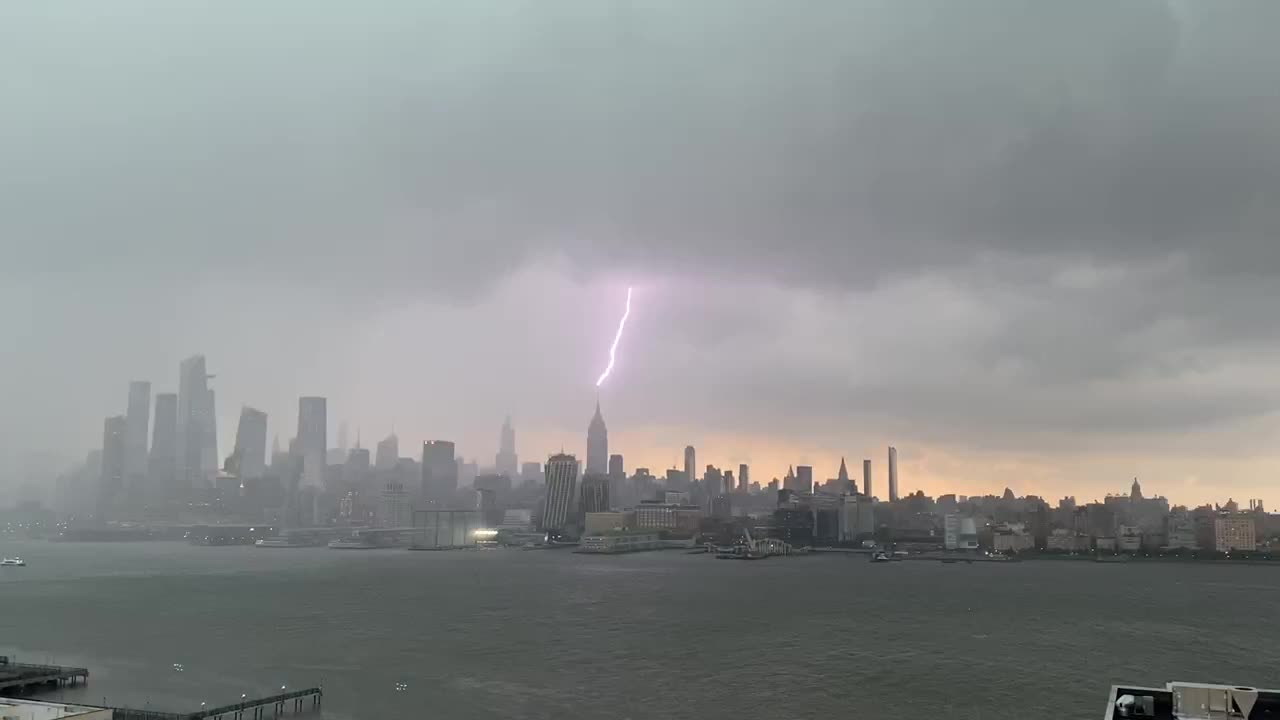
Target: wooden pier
x=21 y=678
x=295 y=701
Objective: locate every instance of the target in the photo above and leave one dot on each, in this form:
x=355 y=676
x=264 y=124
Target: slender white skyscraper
x=690 y=465
x=893 y=473
x=562 y=481
x=597 y=445
x=162 y=466
x=113 y=462
x=866 y=477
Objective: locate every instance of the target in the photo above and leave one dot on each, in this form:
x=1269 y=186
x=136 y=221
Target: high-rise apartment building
x=893 y=473
x=562 y=479
x=690 y=466
x=866 y=477
x=250 y=453
x=597 y=445
x=743 y=485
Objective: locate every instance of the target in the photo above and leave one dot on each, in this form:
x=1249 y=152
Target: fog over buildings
x=1030 y=244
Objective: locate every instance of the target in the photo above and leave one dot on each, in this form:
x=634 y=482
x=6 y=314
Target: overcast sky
x=1032 y=244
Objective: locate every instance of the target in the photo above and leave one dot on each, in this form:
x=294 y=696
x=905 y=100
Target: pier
x=295 y=701
x=22 y=678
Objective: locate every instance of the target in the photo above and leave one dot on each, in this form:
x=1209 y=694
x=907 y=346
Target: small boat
x=13 y=562
x=278 y=542
x=881 y=556
x=352 y=544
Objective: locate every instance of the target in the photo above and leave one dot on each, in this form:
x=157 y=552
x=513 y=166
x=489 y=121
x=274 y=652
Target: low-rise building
x=1129 y=538
x=620 y=542
x=1067 y=541
x=1180 y=532
x=1105 y=543
x=34 y=710
x=668 y=516
x=599 y=522
x=1011 y=537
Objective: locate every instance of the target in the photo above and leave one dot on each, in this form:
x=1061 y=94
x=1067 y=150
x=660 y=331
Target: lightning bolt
x=613 y=349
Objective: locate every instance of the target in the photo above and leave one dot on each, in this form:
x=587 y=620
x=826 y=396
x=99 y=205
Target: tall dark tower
x=597 y=445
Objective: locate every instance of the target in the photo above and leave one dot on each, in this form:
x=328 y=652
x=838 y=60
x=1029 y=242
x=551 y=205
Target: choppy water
x=657 y=635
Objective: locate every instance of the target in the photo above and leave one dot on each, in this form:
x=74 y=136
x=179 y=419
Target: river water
x=548 y=634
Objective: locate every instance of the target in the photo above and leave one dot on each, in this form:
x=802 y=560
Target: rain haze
x=1032 y=245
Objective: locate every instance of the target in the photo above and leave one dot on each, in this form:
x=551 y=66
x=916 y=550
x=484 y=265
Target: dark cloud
x=973 y=217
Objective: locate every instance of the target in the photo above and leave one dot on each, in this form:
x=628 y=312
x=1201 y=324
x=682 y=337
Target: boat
x=278 y=542
x=13 y=562
x=351 y=544
x=881 y=556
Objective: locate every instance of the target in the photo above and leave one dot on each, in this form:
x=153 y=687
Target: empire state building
x=597 y=445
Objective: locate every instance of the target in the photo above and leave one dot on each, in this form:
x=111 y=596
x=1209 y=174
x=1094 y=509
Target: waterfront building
x=562 y=480
x=596 y=523
x=668 y=516
x=1231 y=531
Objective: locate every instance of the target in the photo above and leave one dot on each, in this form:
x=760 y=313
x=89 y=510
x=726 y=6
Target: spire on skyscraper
x=844 y=472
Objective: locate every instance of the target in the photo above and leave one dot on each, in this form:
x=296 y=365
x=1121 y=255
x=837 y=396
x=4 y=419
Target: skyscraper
x=713 y=481
x=804 y=478
x=137 y=420
x=893 y=473
x=597 y=445
x=388 y=453
x=506 y=462
x=209 y=440
x=616 y=469
x=690 y=466
x=866 y=477
x=250 y=452
x=595 y=494
x=114 y=432
x=439 y=471
x=742 y=477
x=562 y=478
x=312 y=439
x=195 y=425
x=162 y=465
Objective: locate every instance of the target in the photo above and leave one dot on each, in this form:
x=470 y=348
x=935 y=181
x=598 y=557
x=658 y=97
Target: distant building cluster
x=158 y=464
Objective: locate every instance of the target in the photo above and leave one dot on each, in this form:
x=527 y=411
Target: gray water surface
x=548 y=634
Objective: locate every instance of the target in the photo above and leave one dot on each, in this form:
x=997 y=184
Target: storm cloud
x=989 y=226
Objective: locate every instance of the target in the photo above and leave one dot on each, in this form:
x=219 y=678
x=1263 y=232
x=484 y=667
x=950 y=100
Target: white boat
x=13 y=562
x=278 y=542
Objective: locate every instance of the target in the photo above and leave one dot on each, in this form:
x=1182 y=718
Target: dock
x=21 y=678
x=250 y=709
